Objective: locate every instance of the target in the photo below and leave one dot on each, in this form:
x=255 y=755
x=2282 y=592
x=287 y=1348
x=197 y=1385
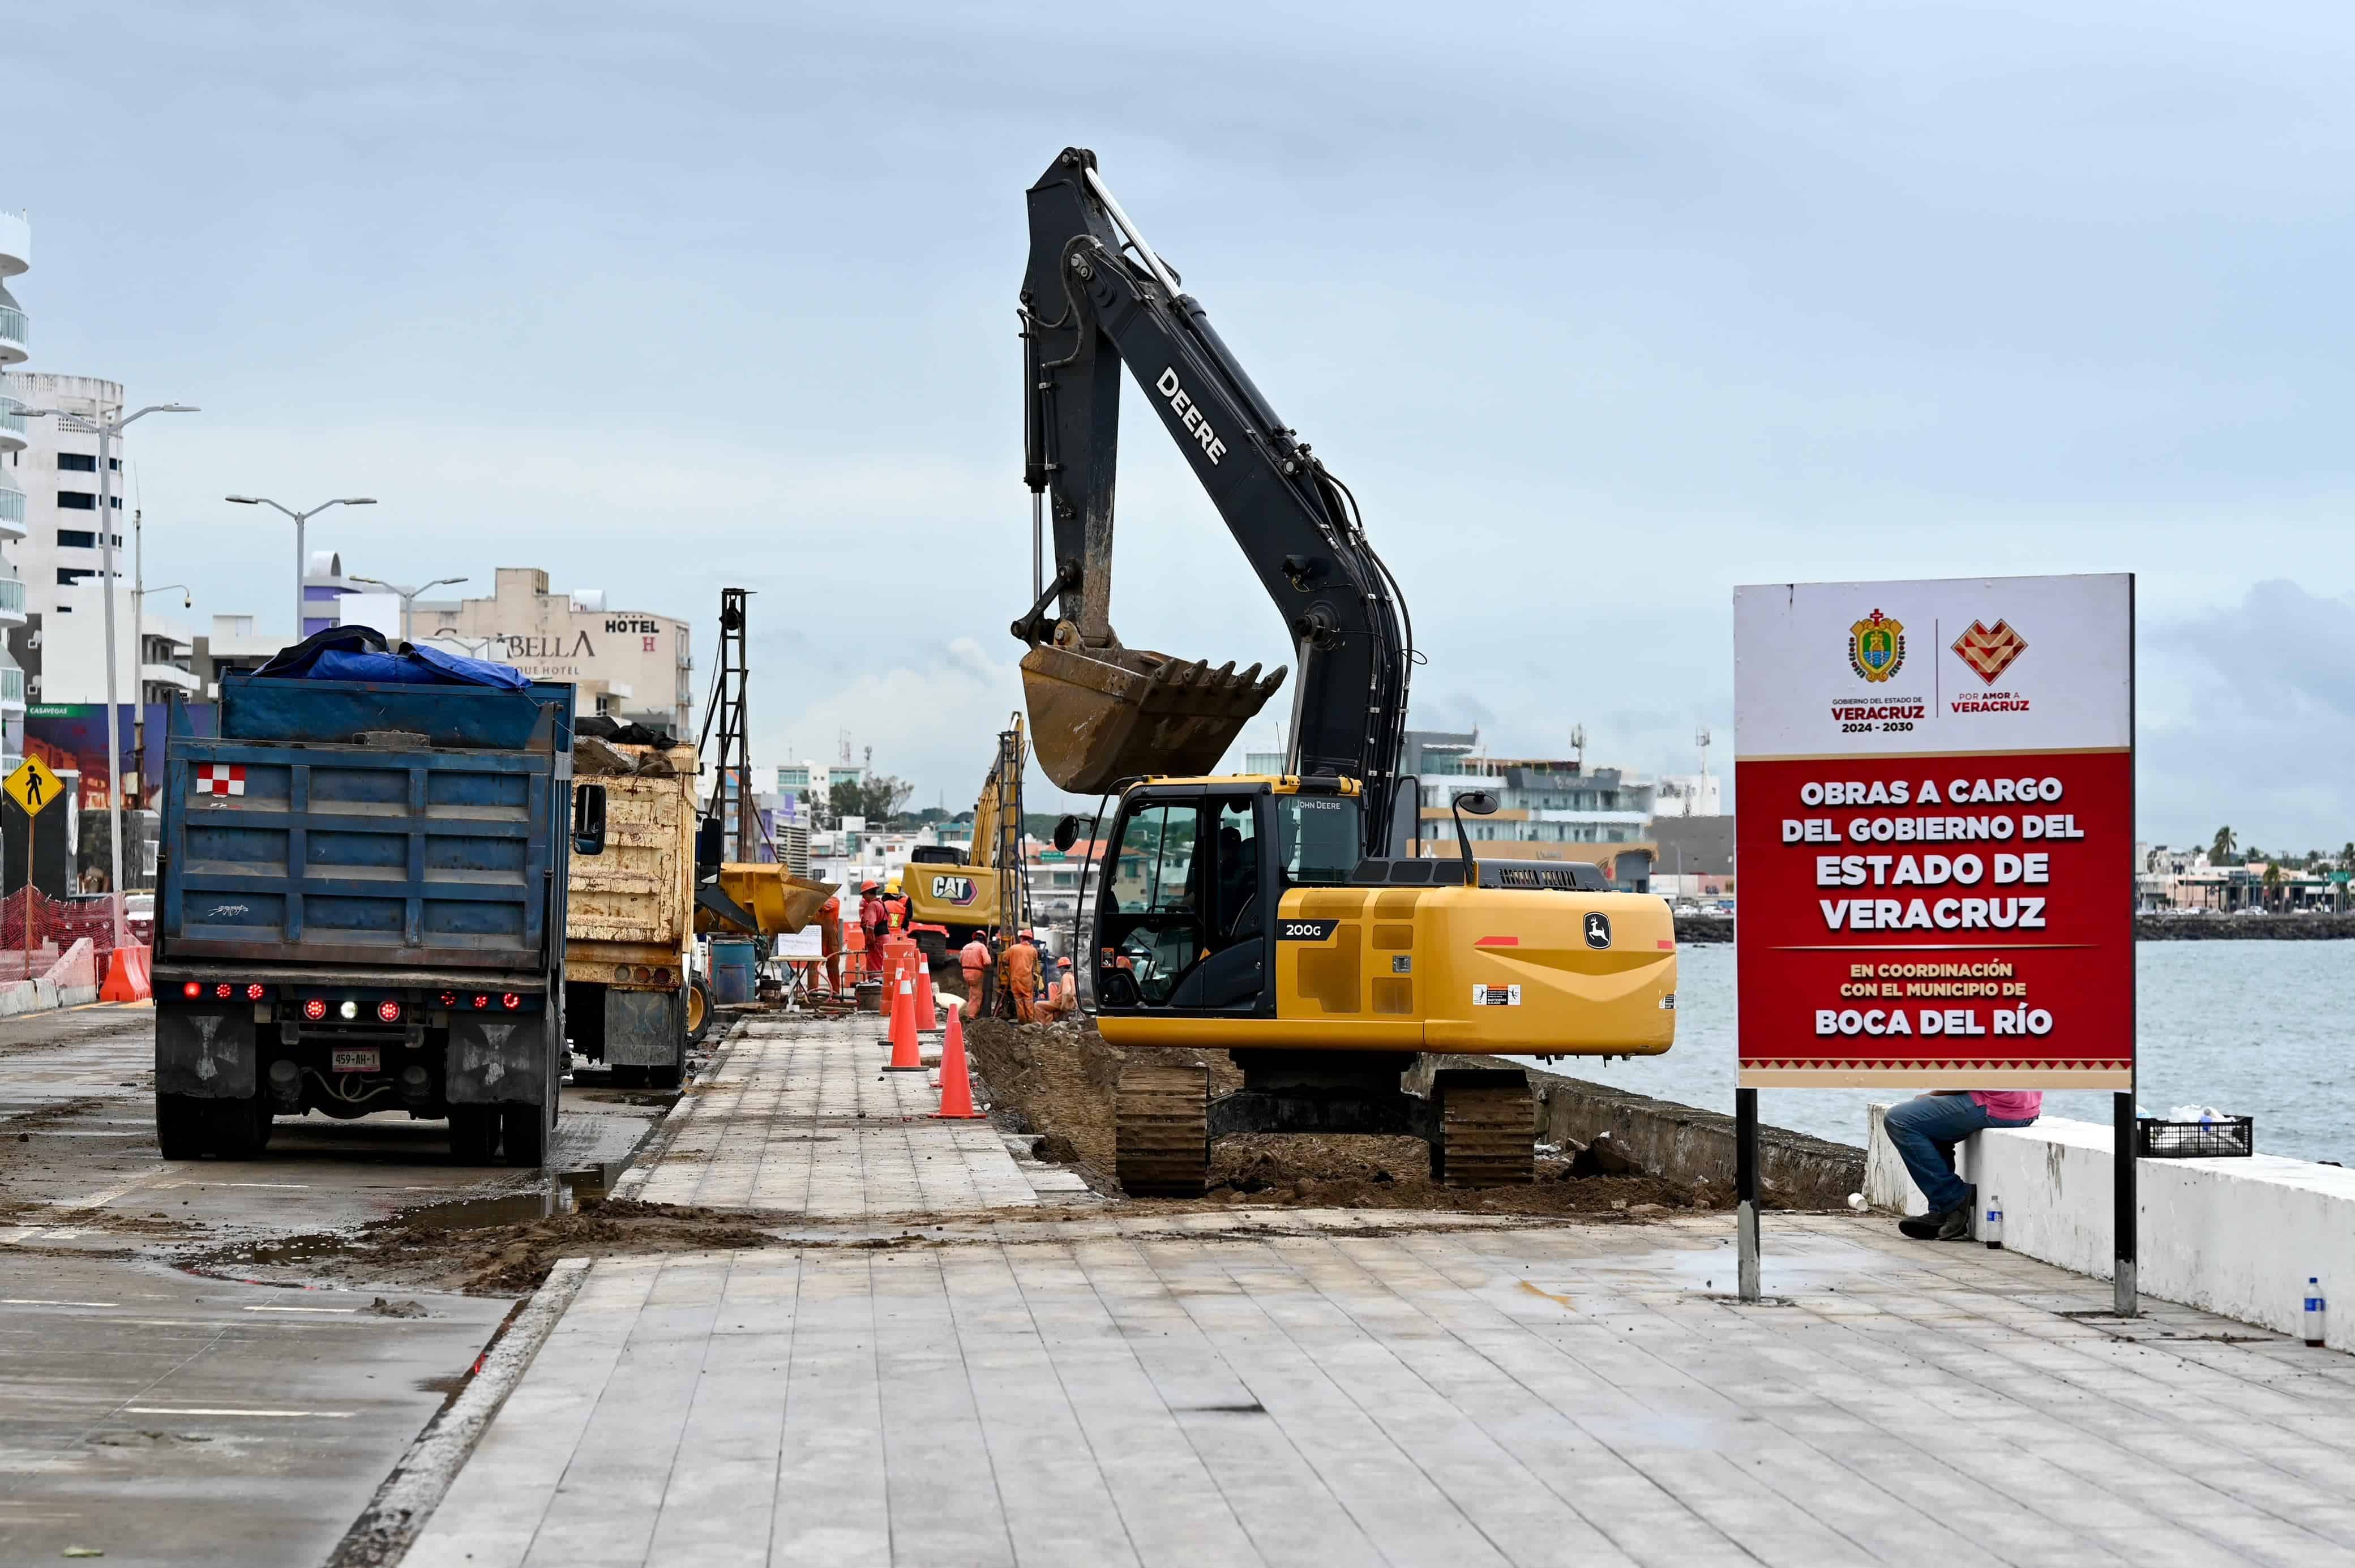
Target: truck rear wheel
x=698 y=1010
x=182 y=1128
x=239 y=1127
x=474 y=1134
x=525 y=1129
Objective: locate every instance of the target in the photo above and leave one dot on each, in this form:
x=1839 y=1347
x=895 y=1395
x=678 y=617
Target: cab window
x=1317 y=840
x=1155 y=928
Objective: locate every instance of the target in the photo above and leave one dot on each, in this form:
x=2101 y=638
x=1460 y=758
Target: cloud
x=2252 y=721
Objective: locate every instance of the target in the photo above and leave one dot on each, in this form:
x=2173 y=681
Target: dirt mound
x=1056 y=1080
x=497 y=1260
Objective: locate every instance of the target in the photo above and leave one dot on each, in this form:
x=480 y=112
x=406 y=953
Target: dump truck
x=361 y=905
x=629 y=999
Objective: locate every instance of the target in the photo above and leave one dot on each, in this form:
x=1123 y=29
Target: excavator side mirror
x=1067 y=832
x=1479 y=803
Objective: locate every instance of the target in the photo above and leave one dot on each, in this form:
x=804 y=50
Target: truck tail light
x=224 y=991
x=315 y=1009
x=389 y=1011
x=482 y=1001
x=192 y=989
x=511 y=1001
x=661 y=976
x=253 y=993
x=449 y=999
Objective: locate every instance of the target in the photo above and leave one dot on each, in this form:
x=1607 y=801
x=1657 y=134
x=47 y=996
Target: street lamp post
x=409 y=596
x=139 y=591
x=301 y=518
x=108 y=432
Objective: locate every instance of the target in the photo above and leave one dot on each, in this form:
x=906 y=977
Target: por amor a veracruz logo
x=1989 y=652
x=1876 y=647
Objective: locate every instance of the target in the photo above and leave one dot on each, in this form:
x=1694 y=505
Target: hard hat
x=1063 y=962
x=892 y=886
x=867 y=887
x=1027 y=933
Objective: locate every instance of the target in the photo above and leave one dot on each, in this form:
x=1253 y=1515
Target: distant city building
x=1694 y=856
x=1688 y=795
x=73 y=649
x=16 y=257
x=233 y=645
x=630 y=664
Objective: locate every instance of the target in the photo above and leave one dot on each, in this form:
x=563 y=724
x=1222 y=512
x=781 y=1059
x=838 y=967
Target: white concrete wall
x=2238 y=1237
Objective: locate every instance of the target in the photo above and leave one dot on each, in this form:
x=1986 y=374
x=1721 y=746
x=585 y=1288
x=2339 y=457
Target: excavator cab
x=1186 y=922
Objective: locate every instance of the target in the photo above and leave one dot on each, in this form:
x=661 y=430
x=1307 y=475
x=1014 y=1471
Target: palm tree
x=2273 y=884
x=2347 y=856
x=2220 y=849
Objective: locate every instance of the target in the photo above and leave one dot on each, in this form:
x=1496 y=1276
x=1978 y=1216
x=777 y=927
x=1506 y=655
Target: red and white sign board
x=1934 y=833
x=219 y=778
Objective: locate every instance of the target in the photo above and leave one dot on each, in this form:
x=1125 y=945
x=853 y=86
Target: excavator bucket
x=1102 y=715
x=779 y=902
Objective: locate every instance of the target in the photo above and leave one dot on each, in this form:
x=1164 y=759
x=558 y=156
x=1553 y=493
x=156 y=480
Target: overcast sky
x=1599 y=309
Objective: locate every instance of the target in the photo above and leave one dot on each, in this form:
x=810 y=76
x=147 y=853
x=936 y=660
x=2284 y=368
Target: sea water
x=2254 y=1029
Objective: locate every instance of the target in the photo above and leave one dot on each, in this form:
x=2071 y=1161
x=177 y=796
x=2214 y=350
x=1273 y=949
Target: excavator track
x=1161 y=1116
x=1486 y=1134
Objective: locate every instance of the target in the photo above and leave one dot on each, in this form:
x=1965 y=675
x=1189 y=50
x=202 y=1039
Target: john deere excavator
x=1274 y=917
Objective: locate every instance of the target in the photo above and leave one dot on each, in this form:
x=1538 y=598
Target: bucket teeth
x=1100 y=715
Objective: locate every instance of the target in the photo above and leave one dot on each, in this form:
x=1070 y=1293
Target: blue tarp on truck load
x=364 y=823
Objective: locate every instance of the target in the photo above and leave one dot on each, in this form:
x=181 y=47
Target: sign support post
x=1745 y=1187
x=2123 y=1217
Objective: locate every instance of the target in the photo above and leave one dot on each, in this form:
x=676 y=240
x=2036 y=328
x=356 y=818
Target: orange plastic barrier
x=126 y=976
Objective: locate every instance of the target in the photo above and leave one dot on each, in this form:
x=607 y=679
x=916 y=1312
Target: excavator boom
x=1097 y=297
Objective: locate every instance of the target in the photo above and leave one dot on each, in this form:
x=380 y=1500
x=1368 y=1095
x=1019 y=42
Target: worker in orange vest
x=871 y=920
x=1021 y=970
x=830 y=926
x=973 y=958
x=1065 y=999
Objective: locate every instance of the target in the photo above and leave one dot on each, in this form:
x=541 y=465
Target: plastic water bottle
x=2314 y=1308
x=1856 y=1200
x=1991 y=1228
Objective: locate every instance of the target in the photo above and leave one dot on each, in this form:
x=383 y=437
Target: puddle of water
x=565 y=1193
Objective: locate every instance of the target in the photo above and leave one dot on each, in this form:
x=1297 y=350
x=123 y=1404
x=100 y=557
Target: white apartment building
x=16 y=257
x=61 y=549
x=73 y=648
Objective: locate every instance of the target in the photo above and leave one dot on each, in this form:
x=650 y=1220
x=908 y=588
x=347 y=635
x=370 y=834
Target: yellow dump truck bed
x=632 y=906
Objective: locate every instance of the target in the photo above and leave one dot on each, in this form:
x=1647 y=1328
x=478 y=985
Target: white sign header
x=1946 y=666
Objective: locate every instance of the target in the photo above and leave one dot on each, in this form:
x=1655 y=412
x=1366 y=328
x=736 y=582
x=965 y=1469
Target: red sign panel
x=1934 y=894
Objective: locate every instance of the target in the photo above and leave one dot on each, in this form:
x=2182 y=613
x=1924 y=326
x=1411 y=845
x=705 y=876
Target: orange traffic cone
x=905 y=1057
x=895 y=970
x=928 y=1012
x=956 y=1085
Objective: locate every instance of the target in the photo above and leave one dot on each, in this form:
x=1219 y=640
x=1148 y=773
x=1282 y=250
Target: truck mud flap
x=644 y=1029
x=498 y=1062
x=207 y=1052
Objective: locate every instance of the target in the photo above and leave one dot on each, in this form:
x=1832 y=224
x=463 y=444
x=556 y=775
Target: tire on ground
x=524 y=1130
x=182 y=1127
x=474 y=1134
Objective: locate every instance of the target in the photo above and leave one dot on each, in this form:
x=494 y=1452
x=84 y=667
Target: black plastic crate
x=2223 y=1139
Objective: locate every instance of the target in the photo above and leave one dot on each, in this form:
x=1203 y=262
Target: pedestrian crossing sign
x=33 y=785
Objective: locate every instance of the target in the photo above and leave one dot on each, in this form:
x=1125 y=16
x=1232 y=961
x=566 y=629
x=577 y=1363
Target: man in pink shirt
x=1926 y=1130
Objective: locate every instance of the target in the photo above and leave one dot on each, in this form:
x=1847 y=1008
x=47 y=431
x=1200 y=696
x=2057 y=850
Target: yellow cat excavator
x=1277 y=917
x=955 y=894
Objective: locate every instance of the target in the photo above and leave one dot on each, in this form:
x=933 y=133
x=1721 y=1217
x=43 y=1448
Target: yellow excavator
x=1279 y=918
x=956 y=894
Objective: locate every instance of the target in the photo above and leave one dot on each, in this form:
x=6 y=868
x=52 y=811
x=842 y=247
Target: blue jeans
x=1926 y=1130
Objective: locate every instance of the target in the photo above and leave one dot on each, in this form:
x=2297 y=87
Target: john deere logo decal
x=1989 y=652
x=1876 y=647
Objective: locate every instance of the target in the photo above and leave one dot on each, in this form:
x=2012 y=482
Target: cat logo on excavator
x=957 y=890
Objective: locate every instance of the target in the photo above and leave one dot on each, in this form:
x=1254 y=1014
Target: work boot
x=1949 y=1225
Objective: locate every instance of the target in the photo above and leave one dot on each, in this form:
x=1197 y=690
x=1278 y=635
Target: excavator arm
x=1097 y=297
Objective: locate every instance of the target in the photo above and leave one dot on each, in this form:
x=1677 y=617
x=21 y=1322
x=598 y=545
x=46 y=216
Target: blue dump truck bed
x=360 y=909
